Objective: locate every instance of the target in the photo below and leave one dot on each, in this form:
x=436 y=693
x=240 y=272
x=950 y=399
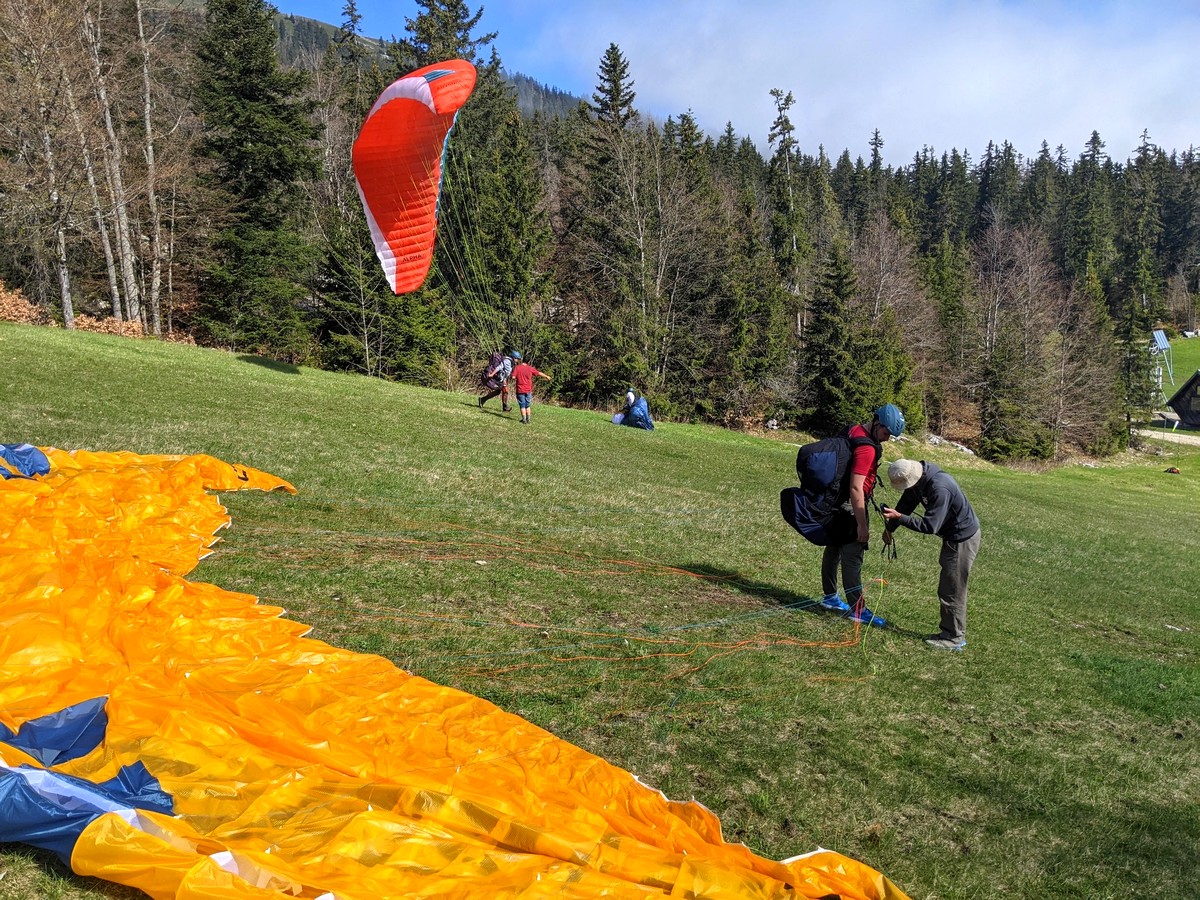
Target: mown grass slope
x=639 y=595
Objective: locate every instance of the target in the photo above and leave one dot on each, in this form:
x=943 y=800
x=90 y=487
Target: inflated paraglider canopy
x=397 y=162
x=185 y=740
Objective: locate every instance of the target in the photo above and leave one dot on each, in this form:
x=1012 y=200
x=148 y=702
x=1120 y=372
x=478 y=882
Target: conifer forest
x=184 y=169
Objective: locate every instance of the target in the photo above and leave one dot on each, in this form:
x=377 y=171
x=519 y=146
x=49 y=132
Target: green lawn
x=1185 y=360
x=639 y=595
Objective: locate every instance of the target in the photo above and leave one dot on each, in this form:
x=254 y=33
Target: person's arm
x=937 y=508
x=858 y=503
x=906 y=504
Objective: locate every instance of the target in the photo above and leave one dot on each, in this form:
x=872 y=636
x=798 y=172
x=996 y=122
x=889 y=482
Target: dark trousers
x=501 y=392
x=850 y=558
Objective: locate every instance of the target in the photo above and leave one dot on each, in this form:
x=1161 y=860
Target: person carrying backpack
x=495 y=378
x=837 y=478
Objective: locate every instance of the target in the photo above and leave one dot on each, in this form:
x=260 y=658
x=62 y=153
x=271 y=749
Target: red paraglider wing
x=398 y=165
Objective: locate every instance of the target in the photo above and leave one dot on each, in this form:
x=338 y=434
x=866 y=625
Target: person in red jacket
x=887 y=423
x=523 y=374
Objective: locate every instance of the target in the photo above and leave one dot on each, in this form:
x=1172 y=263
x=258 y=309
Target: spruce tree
x=612 y=101
x=829 y=367
x=598 y=260
x=259 y=137
x=945 y=277
x=442 y=30
x=1139 y=284
x=791 y=241
x=999 y=180
x=1089 y=244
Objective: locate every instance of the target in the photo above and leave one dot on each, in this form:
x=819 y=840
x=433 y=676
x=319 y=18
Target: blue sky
x=942 y=73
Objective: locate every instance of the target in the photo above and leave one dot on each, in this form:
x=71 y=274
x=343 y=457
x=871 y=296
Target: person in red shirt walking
x=523 y=374
x=868 y=440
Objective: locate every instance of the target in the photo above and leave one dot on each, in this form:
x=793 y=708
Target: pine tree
x=1089 y=236
x=258 y=134
x=999 y=180
x=1139 y=285
x=612 y=101
x=944 y=274
x=442 y=30
x=829 y=368
x=790 y=239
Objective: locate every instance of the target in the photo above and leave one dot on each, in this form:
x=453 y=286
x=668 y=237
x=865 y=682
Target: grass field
x=639 y=595
x=1185 y=361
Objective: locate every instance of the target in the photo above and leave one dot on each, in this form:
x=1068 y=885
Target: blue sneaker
x=864 y=616
x=834 y=603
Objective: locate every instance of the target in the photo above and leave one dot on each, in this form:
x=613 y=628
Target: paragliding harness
x=491 y=377
x=637 y=414
x=815 y=508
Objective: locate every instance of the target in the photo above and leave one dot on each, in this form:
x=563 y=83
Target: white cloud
x=945 y=74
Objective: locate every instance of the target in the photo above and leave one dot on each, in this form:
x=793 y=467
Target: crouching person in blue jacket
x=949 y=515
x=635 y=413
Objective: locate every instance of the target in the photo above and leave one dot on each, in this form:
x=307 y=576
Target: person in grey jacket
x=949 y=515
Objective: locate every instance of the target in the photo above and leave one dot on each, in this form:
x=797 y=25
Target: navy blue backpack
x=824 y=469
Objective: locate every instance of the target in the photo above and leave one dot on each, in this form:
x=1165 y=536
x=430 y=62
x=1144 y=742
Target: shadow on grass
x=273 y=365
x=1141 y=846
x=772 y=593
x=491 y=410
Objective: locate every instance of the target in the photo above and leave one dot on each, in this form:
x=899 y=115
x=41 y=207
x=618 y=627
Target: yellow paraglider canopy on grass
x=185 y=740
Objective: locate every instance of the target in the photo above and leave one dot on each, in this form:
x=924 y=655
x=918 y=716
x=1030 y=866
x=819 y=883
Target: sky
x=944 y=74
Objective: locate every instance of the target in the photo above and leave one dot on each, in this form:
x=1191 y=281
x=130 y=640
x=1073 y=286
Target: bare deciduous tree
x=36 y=35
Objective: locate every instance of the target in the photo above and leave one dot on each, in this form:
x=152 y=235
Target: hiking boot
x=834 y=603
x=506 y=408
x=864 y=616
x=481 y=403
x=942 y=642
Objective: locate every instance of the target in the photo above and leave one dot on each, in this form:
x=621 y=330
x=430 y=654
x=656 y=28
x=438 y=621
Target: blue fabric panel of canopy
x=62 y=736
x=48 y=809
x=25 y=458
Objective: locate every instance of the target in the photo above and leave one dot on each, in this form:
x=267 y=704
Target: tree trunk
x=112 y=159
x=152 y=299
x=56 y=204
x=97 y=210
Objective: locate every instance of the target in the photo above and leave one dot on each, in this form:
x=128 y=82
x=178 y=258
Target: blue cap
x=515 y=355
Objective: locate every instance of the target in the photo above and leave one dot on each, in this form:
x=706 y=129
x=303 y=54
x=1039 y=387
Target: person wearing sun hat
x=947 y=514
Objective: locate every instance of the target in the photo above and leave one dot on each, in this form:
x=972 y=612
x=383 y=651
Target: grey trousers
x=956 y=561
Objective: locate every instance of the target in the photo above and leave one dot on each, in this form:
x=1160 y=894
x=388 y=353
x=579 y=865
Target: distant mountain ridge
x=302 y=42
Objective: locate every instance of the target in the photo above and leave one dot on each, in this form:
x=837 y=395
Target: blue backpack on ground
x=639 y=415
x=815 y=508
